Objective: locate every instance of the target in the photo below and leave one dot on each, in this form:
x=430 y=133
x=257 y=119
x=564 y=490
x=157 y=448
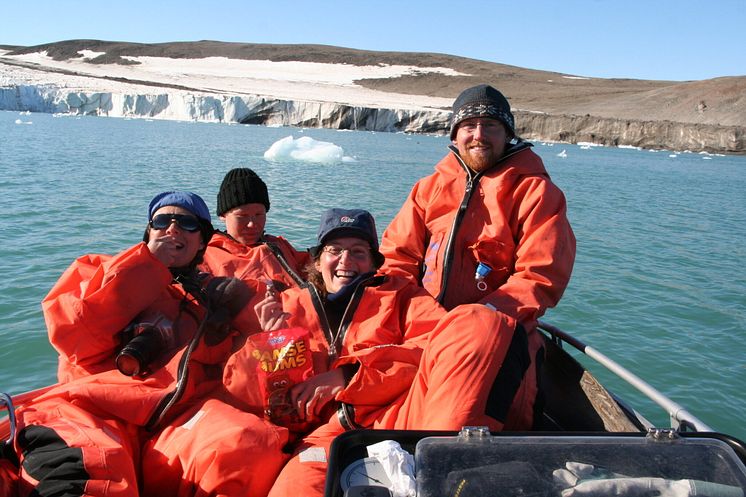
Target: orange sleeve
x=95 y=298
x=386 y=371
x=544 y=256
x=404 y=240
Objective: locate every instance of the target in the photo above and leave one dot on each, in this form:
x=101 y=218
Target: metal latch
x=474 y=432
x=662 y=434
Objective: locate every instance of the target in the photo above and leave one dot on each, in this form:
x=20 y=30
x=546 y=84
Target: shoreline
x=306 y=94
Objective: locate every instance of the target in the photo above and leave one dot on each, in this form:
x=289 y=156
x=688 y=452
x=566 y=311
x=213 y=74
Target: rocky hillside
x=695 y=115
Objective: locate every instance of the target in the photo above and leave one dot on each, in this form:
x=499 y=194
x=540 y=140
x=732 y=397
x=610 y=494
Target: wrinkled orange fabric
x=463 y=355
x=110 y=447
x=211 y=449
x=99 y=295
x=226 y=256
x=390 y=327
x=515 y=221
x=96 y=298
x=235 y=453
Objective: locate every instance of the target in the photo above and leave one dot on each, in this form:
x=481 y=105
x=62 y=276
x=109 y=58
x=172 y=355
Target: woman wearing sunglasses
x=142 y=336
x=175 y=235
x=386 y=355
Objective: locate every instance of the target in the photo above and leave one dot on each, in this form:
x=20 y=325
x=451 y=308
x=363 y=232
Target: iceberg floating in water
x=306 y=149
x=562 y=154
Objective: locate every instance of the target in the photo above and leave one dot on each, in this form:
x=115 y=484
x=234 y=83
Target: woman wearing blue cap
x=142 y=336
x=385 y=354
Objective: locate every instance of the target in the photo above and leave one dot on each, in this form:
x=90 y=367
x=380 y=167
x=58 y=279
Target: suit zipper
x=334 y=340
x=471 y=182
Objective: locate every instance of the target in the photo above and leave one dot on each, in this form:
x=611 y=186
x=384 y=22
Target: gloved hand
x=226 y=297
x=577 y=472
x=581 y=479
x=230 y=294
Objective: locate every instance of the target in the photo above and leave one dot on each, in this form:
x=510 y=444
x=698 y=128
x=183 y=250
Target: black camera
x=141 y=351
x=148 y=342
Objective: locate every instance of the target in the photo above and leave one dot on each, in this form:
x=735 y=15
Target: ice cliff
x=175 y=104
x=246 y=109
x=349 y=89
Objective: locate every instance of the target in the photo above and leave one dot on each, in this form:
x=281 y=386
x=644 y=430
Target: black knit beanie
x=482 y=101
x=241 y=186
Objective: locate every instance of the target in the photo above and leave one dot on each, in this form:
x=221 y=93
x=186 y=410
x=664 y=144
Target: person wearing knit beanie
x=482 y=101
x=244 y=249
x=243 y=202
x=481 y=126
x=241 y=186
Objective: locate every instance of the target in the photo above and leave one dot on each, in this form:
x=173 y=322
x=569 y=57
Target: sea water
x=659 y=283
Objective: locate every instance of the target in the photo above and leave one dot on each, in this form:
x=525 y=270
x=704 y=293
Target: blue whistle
x=482 y=271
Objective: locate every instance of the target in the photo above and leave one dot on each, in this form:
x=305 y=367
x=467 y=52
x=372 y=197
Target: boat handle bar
x=7 y=402
x=674 y=410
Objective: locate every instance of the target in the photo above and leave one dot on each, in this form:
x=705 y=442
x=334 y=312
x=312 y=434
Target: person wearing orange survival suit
x=488 y=226
x=245 y=251
x=142 y=336
x=385 y=354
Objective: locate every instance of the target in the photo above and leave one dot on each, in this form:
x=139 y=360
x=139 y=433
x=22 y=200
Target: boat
x=582 y=425
x=578 y=412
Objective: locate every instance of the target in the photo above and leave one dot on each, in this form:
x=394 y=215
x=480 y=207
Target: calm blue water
x=659 y=282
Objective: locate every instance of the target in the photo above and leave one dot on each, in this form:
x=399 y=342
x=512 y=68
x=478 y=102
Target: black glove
x=227 y=294
x=226 y=297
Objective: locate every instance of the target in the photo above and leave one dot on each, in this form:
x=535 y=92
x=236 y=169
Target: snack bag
x=284 y=359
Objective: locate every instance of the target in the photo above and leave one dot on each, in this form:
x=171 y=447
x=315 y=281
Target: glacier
x=244 y=109
x=298 y=95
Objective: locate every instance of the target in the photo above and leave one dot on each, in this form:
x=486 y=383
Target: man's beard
x=480 y=162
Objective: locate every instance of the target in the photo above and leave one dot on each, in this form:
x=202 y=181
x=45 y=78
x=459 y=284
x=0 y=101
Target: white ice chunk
x=306 y=149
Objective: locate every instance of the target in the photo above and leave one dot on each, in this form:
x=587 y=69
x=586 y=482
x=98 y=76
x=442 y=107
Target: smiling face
x=173 y=245
x=481 y=141
x=246 y=223
x=342 y=260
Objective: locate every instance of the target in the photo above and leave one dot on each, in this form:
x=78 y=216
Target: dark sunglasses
x=183 y=221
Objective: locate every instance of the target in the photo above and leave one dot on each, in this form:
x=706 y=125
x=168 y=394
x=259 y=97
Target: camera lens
x=143 y=349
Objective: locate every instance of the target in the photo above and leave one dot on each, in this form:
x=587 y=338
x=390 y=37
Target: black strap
x=509 y=378
x=346 y=416
x=284 y=263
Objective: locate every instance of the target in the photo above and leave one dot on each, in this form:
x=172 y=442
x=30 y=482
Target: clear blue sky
x=645 y=39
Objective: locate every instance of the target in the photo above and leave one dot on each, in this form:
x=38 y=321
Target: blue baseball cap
x=186 y=200
x=356 y=223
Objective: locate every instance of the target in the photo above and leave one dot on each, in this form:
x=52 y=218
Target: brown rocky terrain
x=698 y=115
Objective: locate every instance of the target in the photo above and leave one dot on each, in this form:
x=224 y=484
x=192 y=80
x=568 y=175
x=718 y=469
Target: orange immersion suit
x=510 y=217
x=102 y=433
x=416 y=368
x=273 y=258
